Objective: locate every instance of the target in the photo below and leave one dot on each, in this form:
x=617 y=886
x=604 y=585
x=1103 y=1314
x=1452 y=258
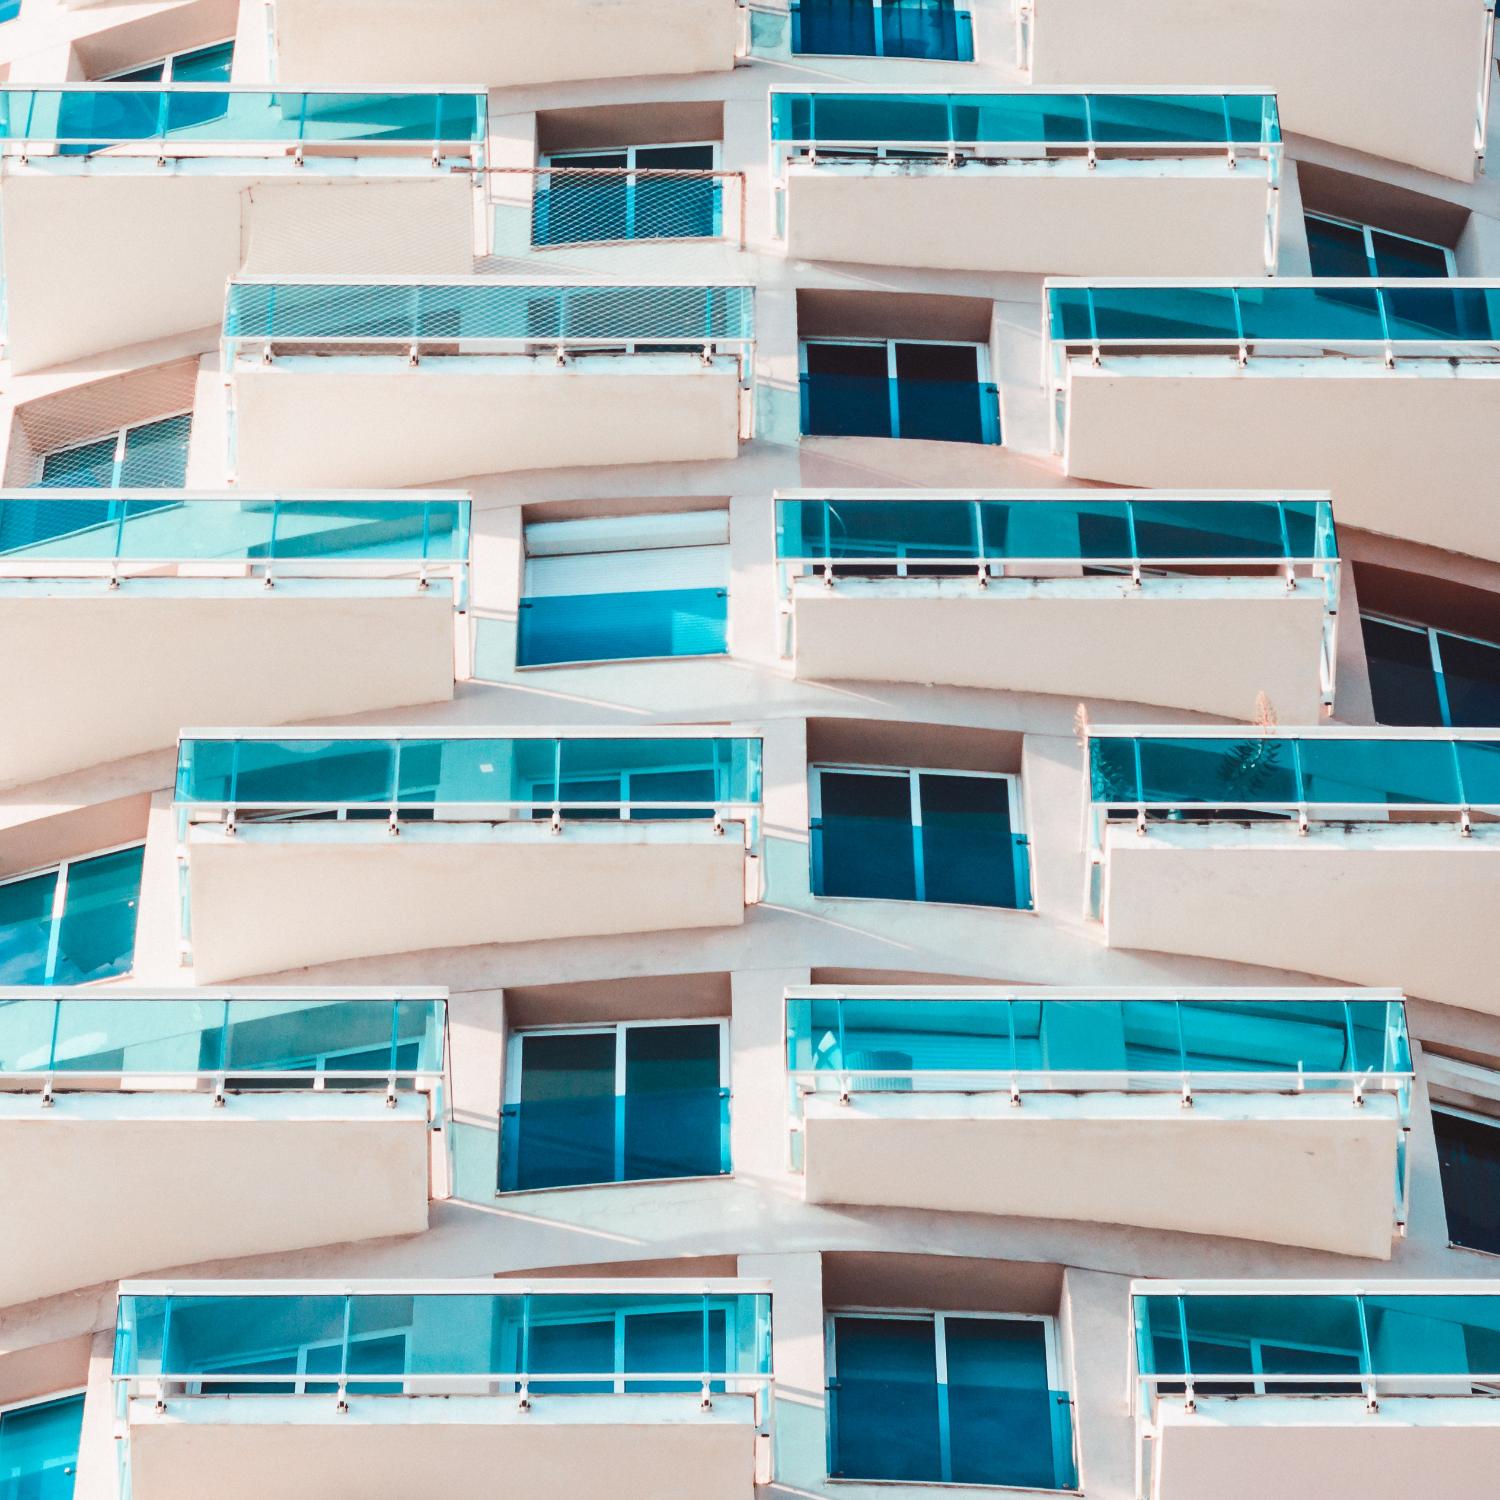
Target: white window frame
x=914 y=775
x=121 y=437
x=1432 y=632
x=167 y=61
x=1368 y=231
x=60 y=902
x=514 y=1050
x=982 y=376
x=940 y=1346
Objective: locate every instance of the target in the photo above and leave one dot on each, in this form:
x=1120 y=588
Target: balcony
x=1197 y=604
x=409 y=380
x=353 y=843
x=126 y=206
x=654 y=1390
x=177 y=607
x=259 y=1121
x=1411 y=88
x=1178 y=184
x=1381 y=392
x=1318 y=1390
x=1366 y=855
x=1075 y=1103
x=500 y=43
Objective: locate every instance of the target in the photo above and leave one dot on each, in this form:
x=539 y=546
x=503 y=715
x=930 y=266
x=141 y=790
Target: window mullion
x=54 y=930
x=919 y=871
x=1440 y=679
x=945 y=1414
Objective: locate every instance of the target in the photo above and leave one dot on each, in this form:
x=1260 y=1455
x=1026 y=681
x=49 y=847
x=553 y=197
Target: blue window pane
x=97 y=935
x=1000 y=1410
x=1395 y=255
x=1300 y=312
x=862 y=841
x=1403 y=682
x=565 y=1130
x=846 y=391
x=1126 y=313
x=677 y=1343
x=834 y=27
x=621 y=627
x=1471 y=676
x=672 y=1102
x=1379 y=771
x=156 y=454
x=87 y=466
x=932 y=29
x=884 y=1400
x=572 y=1347
x=1336 y=249
x=967 y=841
x=26 y=928
x=39 y=1450
x=1225 y=772
x=1469 y=1157
x=205 y=65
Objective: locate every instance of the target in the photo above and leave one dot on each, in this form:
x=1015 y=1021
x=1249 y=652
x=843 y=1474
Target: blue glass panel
x=97 y=934
x=1315 y=313
x=156 y=454
x=1257 y=768
x=675 y=1343
x=1000 y=1411
x=673 y=1103
x=834 y=27
x=835 y=404
x=204 y=65
x=855 y=405
x=9 y=10
x=1465 y=314
x=39 y=1449
x=1379 y=771
x=1469 y=1157
x=862 y=840
x=563 y=1130
x=1471 y=679
x=1336 y=249
x=884 y=1400
x=1162 y=313
x=967 y=841
x=619 y=627
x=26 y=928
x=932 y=29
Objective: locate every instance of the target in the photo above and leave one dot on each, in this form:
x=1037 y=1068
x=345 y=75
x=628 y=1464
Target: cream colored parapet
x=159 y=1128
x=1409 y=84
x=499 y=43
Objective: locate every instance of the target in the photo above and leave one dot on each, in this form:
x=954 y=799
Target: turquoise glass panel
x=1057 y=118
x=119 y=114
x=486 y=310
x=835 y=404
x=39 y=1447
x=96 y=937
x=257 y=1343
x=621 y=627
x=932 y=29
x=26 y=928
x=583 y=209
x=638 y=773
x=1296 y=312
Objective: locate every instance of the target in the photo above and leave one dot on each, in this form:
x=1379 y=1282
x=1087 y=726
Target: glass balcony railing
x=954 y=411
x=1330 y=776
x=1413 y=316
x=884 y=1041
x=59 y=534
x=908 y=127
x=631 y=625
x=484 y=316
x=861 y=537
x=425 y=777
x=577 y=1338
x=1258 y=1339
x=222 y=1043
x=208 y=119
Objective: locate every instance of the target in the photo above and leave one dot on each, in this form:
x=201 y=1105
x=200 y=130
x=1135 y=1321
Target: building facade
x=620 y=629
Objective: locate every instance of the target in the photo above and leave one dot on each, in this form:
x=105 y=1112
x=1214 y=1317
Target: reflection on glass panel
x=39 y=1449
x=862 y=841
x=884 y=1413
x=967 y=840
x=96 y=937
x=1469 y=1156
x=26 y=928
x=1336 y=248
x=1403 y=679
x=1000 y=1409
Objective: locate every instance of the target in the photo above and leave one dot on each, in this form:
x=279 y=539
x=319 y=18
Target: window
x=898 y=388
x=1421 y=675
x=73 y=924
x=626 y=194
x=39 y=1449
x=210 y=64
x=933 y=29
x=634 y=1102
x=9 y=10
x=918 y=835
x=625 y=587
x=1338 y=247
x=951 y=1398
x=1469 y=1161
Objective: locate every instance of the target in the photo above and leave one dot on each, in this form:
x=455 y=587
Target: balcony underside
x=498 y=43
x=1312 y=1171
x=350 y=421
x=1185 y=218
x=1209 y=646
x=474 y=1447
x=160 y=653
x=107 y=252
x=322 y=892
x=102 y=1186
x=1406 y=904
x=1429 y=69
x=1400 y=449
x=1323 y=1448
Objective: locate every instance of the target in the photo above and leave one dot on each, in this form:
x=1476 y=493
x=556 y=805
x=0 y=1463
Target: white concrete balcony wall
x=499 y=43
x=1190 y=217
x=1384 y=79
x=1399 y=448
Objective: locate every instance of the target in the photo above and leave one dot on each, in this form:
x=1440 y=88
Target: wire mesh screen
x=132 y=431
x=483 y=311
